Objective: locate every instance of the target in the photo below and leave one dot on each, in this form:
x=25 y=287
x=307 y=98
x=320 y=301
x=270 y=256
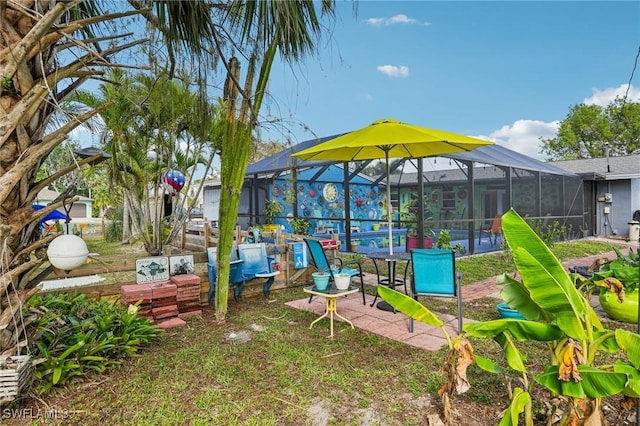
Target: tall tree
x=146 y=136
x=587 y=129
x=259 y=31
x=47 y=50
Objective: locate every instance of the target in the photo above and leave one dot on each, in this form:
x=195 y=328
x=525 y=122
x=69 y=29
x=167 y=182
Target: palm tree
x=47 y=50
x=263 y=29
x=139 y=120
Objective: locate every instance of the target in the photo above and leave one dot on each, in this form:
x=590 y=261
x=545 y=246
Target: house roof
x=47 y=195
x=613 y=168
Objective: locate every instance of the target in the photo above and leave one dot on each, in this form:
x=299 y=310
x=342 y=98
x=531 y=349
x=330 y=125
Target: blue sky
x=504 y=71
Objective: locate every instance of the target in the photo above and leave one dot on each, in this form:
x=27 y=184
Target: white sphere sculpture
x=67 y=252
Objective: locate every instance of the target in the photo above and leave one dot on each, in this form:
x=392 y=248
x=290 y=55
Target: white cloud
x=400 y=19
x=376 y=22
x=605 y=97
x=523 y=136
x=394 y=71
x=396 y=19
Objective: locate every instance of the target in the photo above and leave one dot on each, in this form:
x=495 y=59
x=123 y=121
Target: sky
x=504 y=71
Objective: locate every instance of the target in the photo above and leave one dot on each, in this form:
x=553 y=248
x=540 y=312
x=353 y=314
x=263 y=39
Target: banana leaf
x=519 y=401
x=488 y=365
x=629 y=342
x=633 y=378
x=520 y=329
x=408 y=306
x=516 y=295
x=595 y=383
x=511 y=352
x=546 y=279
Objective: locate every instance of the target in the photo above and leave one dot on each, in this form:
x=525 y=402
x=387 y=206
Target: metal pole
x=389 y=207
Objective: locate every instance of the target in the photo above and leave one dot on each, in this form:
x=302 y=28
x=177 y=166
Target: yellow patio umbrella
x=388 y=138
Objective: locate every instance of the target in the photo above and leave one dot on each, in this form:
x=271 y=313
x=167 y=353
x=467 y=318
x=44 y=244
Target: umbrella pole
x=389 y=207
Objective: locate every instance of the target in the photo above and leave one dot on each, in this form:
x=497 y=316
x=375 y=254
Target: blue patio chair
x=256 y=264
x=322 y=263
x=236 y=281
x=434 y=275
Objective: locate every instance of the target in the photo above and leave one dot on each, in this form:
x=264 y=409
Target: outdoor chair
x=434 y=275
x=256 y=264
x=322 y=263
x=492 y=231
x=236 y=282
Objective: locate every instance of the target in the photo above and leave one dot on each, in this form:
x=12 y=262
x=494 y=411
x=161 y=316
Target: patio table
x=391 y=281
x=331 y=295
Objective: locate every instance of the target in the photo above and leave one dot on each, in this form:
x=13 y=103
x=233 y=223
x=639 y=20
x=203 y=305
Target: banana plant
x=459 y=356
x=556 y=313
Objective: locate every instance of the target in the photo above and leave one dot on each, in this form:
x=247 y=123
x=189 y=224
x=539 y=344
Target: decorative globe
x=67 y=252
x=173 y=181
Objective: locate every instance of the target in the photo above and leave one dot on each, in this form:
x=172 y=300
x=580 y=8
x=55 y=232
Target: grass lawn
x=287 y=374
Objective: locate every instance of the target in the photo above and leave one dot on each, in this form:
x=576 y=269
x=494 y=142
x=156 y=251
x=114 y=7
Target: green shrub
x=113 y=231
x=75 y=335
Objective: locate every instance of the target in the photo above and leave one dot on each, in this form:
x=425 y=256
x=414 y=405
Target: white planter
x=343 y=281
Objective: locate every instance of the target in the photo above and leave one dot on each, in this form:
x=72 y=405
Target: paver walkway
x=396 y=325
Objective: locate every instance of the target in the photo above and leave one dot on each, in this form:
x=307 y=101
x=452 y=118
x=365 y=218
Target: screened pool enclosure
x=462 y=193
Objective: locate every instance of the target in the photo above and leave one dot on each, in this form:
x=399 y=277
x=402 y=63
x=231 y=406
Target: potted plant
x=410 y=217
x=300 y=226
x=272 y=209
x=617 y=281
x=444 y=242
x=343 y=280
x=320 y=280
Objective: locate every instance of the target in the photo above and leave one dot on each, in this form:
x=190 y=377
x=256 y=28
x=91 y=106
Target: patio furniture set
x=434 y=275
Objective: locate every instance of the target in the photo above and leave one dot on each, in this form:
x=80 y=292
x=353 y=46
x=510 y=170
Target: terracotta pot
x=626 y=311
x=412 y=242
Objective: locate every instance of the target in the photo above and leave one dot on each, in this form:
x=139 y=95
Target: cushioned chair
x=434 y=275
x=256 y=264
x=322 y=263
x=236 y=281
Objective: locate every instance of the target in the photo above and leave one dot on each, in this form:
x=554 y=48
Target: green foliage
x=113 y=231
x=624 y=268
x=300 y=226
x=444 y=239
x=551 y=233
x=559 y=314
x=587 y=130
x=272 y=208
x=410 y=216
x=75 y=335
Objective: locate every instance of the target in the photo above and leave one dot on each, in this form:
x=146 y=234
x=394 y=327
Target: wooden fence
x=196 y=237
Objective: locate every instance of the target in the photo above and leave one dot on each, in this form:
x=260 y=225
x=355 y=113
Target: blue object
x=434 y=275
x=256 y=264
x=321 y=263
x=54 y=215
x=236 y=281
x=506 y=312
x=320 y=281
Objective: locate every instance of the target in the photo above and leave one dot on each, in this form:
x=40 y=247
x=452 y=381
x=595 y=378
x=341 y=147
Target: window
x=448 y=200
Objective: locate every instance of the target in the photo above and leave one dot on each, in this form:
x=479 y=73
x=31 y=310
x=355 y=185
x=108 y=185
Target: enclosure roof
x=596 y=168
x=490 y=154
x=498 y=155
x=284 y=161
